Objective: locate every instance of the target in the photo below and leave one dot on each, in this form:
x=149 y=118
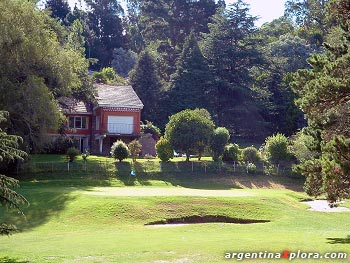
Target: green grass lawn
x=67 y=222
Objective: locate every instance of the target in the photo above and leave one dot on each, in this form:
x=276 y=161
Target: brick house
x=116 y=115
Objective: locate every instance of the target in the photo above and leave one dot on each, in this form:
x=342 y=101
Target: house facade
x=115 y=115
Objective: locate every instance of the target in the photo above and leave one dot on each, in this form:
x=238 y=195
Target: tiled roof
x=71 y=106
x=117 y=96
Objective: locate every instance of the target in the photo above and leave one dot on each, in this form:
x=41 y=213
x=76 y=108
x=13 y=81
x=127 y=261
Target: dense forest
x=202 y=54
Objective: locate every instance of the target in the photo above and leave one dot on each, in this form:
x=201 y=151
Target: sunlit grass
x=66 y=224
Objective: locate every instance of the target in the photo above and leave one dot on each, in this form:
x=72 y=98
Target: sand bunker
x=322 y=206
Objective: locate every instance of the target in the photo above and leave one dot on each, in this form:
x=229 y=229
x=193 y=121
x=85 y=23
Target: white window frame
x=81 y=122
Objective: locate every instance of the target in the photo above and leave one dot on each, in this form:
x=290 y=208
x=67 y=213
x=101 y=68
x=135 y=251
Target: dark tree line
x=195 y=54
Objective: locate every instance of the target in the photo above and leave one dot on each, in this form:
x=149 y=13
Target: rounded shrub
x=189 y=131
x=219 y=140
x=231 y=153
x=60 y=145
x=120 y=150
x=251 y=155
x=164 y=150
x=72 y=153
x=251 y=168
x=276 y=148
x=135 y=148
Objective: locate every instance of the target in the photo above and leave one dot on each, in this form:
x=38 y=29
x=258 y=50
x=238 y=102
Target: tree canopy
x=323 y=94
x=38 y=65
x=189 y=131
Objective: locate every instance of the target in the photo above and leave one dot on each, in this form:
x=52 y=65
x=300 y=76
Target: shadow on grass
x=124 y=174
x=47 y=199
x=45 y=202
x=11 y=260
x=345 y=240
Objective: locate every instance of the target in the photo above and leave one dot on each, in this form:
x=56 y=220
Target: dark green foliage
x=301 y=147
x=107 y=76
x=310 y=16
x=220 y=139
x=231 y=51
x=276 y=149
x=123 y=61
x=120 y=150
x=164 y=150
x=135 y=148
x=146 y=83
x=189 y=132
x=9 y=152
x=174 y=20
x=154 y=20
x=231 y=153
x=192 y=85
x=324 y=97
x=59 y=9
x=48 y=68
x=61 y=144
x=106 y=24
x=312 y=170
x=251 y=155
x=251 y=168
x=72 y=153
x=149 y=127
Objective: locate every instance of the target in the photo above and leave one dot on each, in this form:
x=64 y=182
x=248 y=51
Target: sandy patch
x=322 y=206
x=176 y=191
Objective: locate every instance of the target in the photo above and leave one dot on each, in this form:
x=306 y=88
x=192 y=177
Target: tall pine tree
x=192 y=86
x=9 y=151
x=59 y=9
x=106 y=23
x=231 y=51
x=324 y=97
x=146 y=82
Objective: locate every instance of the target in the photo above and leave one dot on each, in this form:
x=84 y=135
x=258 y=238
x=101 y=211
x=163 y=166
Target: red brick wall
x=80 y=131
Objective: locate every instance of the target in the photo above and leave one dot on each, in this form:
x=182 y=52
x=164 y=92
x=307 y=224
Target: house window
x=78 y=122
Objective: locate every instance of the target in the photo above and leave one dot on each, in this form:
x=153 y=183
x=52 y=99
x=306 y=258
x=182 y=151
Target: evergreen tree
x=323 y=95
x=145 y=80
x=123 y=61
x=192 y=85
x=230 y=50
x=59 y=9
x=154 y=20
x=310 y=17
x=106 y=23
x=9 y=151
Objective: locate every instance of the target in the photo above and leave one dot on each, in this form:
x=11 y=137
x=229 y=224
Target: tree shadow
x=336 y=240
x=11 y=260
x=123 y=171
x=177 y=174
x=268 y=182
x=131 y=174
x=45 y=202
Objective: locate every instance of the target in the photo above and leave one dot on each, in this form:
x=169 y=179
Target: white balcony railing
x=120 y=128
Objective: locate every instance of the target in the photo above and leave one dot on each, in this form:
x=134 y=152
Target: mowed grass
x=66 y=222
